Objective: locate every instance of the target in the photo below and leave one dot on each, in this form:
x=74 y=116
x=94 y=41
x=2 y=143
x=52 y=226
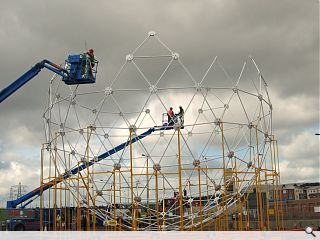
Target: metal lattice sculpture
x=182 y=178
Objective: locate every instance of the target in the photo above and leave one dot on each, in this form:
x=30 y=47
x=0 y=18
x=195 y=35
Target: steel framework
x=197 y=175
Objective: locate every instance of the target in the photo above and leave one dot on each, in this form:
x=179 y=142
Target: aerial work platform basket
x=176 y=120
x=81 y=69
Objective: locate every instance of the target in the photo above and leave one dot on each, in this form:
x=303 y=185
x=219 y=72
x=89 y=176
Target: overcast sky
x=282 y=36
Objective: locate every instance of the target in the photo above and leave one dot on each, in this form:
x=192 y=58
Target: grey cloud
x=282 y=36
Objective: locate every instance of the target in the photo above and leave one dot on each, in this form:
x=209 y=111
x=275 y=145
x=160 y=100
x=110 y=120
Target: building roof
x=300 y=185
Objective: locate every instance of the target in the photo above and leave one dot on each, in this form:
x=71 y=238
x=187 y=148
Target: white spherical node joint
x=73 y=152
x=196 y=163
x=217 y=121
x=152 y=33
x=137 y=199
x=249 y=164
x=200 y=110
x=133 y=128
x=129 y=57
x=92 y=127
x=153 y=89
x=198 y=86
x=106 y=135
x=48 y=147
x=99 y=193
x=235 y=90
x=94 y=111
x=175 y=56
x=68 y=172
x=117 y=166
x=260 y=97
x=217 y=187
x=176 y=126
x=226 y=106
x=147 y=111
x=156 y=167
x=81 y=131
x=108 y=91
x=230 y=154
x=250 y=125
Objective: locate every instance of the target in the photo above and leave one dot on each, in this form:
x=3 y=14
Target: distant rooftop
x=302 y=185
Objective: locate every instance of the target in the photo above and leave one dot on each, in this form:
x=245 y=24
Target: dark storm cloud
x=282 y=36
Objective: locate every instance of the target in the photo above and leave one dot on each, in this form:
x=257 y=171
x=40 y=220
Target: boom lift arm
x=78 y=70
x=76 y=169
x=26 y=77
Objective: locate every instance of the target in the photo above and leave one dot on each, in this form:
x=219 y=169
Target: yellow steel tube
x=180 y=183
x=131 y=184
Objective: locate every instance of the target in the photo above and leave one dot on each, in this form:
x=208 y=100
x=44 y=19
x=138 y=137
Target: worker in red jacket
x=88 y=63
x=91 y=57
x=170 y=116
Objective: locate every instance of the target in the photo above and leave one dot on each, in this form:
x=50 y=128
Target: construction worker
x=88 y=62
x=58 y=222
x=170 y=114
x=181 y=115
x=63 y=222
x=91 y=57
x=83 y=220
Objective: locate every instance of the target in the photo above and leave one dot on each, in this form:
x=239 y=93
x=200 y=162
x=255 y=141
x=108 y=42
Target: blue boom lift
x=78 y=70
